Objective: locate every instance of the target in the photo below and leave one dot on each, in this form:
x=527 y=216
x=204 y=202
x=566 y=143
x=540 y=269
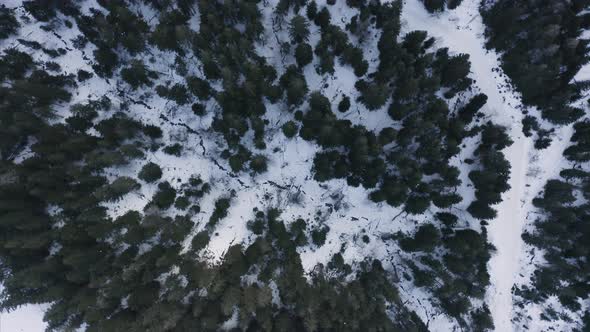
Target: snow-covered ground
x=346 y=210
x=28 y=318
x=461 y=30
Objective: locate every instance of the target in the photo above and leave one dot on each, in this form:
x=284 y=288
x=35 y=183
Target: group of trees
x=334 y=43
x=26 y=100
x=541 y=51
x=325 y=303
x=429 y=136
x=247 y=81
x=226 y=53
x=119 y=29
x=562 y=232
x=42 y=262
x=91 y=264
x=452 y=264
x=8 y=23
x=440 y=5
x=491 y=180
x=59 y=244
x=409 y=165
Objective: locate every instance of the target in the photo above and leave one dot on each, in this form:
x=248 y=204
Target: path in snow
x=462 y=31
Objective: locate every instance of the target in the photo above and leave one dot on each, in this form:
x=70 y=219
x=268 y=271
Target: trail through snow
x=462 y=31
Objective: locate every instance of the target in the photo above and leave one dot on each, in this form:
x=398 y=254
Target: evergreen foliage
x=344 y=104
x=440 y=5
x=8 y=23
x=541 y=52
x=67 y=239
x=303 y=54
x=177 y=92
x=299 y=29
x=137 y=75
x=290 y=129
x=259 y=163
x=220 y=212
x=199 y=87
x=561 y=232
x=165 y=196
x=492 y=179
x=150 y=172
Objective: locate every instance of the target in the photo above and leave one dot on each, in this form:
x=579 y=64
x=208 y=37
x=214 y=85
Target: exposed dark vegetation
x=491 y=180
x=92 y=263
x=440 y=5
x=8 y=23
x=451 y=263
x=541 y=51
x=150 y=172
x=562 y=232
x=408 y=166
x=132 y=272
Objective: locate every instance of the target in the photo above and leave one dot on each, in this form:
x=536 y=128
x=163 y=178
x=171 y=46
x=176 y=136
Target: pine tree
x=165 y=195
x=137 y=75
x=117 y=189
x=259 y=163
x=8 y=23
x=290 y=129
x=344 y=104
x=303 y=54
x=150 y=172
x=299 y=29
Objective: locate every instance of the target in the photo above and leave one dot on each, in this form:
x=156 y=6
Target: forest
x=148 y=147
x=542 y=63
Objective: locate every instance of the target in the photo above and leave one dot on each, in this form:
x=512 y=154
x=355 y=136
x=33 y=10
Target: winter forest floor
x=461 y=30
